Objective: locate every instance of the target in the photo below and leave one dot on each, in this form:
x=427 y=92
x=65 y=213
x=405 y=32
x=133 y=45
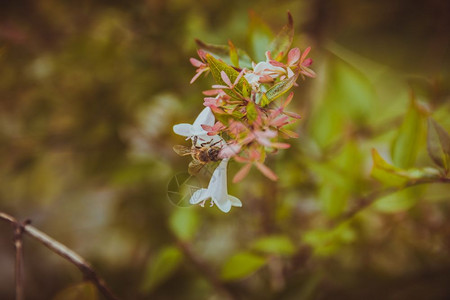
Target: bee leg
x=216 y=143
x=204 y=144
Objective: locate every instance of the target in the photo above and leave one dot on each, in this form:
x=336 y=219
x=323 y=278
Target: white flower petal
x=217 y=190
x=223 y=204
x=198 y=131
x=183 y=129
x=252 y=78
x=209 y=140
x=199 y=196
x=206 y=117
x=290 y=72
x=261 y=67
x=235 y=201
x=218 y=182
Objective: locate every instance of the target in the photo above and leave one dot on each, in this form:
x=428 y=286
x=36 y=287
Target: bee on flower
x=245 y=114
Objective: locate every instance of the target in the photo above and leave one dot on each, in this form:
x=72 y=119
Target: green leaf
x=393 y=176
x=406 y=145
x=251 y=111
x=85 y=290
x=241 y=265
x=278 y=90
x=385 y=172
x=161 y=268
x=217 y=66
x=276 y=244
x=224 y=52
x=438 y=145
x=234 y=58
x=264 y=101
x=281 y=44
x=260 y=36
x=399 y=201
x=184 y=223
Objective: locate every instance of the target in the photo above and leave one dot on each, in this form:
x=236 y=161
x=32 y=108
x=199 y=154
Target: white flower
x=261 y=70
x=217 y=190
x=206 y=117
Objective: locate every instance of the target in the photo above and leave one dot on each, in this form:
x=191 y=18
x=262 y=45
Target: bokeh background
x=90 y=90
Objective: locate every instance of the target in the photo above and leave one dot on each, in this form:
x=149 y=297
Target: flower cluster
x=245 y=114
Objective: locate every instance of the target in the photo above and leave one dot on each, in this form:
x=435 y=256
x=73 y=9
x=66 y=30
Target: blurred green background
x=90 y=90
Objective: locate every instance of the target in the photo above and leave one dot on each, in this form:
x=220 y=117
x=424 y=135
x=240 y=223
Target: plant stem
x=369 y=199
x=56 y=247
x=18 y=245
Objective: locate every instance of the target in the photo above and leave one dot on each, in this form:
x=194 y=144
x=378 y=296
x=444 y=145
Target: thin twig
x=61 y=250
x=19 y=261
x=369 y=199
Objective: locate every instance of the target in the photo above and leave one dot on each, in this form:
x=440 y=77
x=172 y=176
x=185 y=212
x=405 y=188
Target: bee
x=201 y=155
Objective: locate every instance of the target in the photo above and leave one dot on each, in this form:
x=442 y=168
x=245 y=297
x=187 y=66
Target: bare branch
x=19 y=260
x=58 y=248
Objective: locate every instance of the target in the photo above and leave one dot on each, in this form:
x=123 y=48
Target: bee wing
x=194 y=167
x=182 y=150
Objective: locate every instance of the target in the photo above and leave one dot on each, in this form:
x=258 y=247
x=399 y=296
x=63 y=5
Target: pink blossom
x=230 y=150
x=201 y=66
x=214 y=130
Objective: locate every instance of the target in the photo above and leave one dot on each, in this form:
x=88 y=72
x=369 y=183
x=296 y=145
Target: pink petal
x=240 y=159
x=268 y=133
x=207 y=127
x=218 y=126
x=239 y=77
x=230 y=151
x=266 y=79
x=201 y=54
x=225 y=78
x=242 y=173
x=281 y=145
x=208 y=102
x=305 y=54
x=195 y=62
x=248 y=139
x=293 y=56
x=218 y=86
x=307 y=62
x=211 y=92
x=254 y=155
x=264 y=141
x=276 y=63
x=266 y=171
x=292 y=115
x=281 y=121
x=288 y=99
x=195 y=77
x=308 y=72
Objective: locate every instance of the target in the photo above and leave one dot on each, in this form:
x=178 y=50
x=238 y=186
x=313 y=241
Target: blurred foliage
x=89 y=91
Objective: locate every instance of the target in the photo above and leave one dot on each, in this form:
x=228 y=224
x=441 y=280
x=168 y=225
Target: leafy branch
x=55 y=246
x=366 y=201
